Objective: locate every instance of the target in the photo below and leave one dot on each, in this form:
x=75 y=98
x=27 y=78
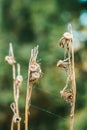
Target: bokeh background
x=27 y=23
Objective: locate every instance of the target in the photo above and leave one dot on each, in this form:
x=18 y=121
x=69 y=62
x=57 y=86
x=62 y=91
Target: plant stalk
x=28 y=99
x=15 y=91
x=73 y=84
x=12 y=124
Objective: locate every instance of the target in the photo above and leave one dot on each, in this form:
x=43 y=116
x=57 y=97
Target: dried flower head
x=63 y=64
x=10 y=60
x=35 y=73
x=66 y=95
x=16 y=118
x=34 y=77
x=19 y=80
x=60 y=63
x=68 y=36
x=65 y=40
x=35 y=69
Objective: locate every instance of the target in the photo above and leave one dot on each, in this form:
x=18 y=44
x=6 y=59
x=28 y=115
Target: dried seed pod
x=34 y=77
x=10 y=60
x=68 y=36
x=63 y=64
x=65 y=40
x=19 y=80
x=66 y=95
x=16 y=118
x=62 y=42
x=34 y=67
x=60 y=63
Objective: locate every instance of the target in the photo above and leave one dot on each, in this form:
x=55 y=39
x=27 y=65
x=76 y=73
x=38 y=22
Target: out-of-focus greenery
x=27 y=23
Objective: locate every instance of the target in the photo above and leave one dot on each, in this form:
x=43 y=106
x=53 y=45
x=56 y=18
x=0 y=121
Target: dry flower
x=66 y=95
x=19 y=80
x=68 y=36
x=34 y=73
x=10 y=60
x=65 y=40
x=63 y=64
x=16 y=118
x=34 y=67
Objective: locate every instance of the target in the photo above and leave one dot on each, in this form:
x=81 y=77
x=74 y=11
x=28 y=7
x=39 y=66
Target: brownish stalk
x=16 y=87
x=17 y=82
x=68 y=93
x=73 y=90
x=28 y=98
x=73 y=83
x=34 y=73
x=14 y=77
x=12 y=124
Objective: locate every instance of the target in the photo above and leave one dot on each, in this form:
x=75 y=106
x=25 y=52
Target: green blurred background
x=27 y=23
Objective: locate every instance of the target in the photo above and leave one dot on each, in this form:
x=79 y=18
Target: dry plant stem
x=73 y=90
x=17 y=97
x=12 y=124
x=14 y=90
x=34 y=73
x=67 y=41
x=28 y=98
x=69 y=61
x=13 y=72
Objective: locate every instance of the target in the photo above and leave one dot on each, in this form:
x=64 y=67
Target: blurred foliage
x=27 y=23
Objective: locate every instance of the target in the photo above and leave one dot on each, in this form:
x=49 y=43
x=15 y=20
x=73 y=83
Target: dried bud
x=34 y=77
x=68 y=36
x=65 y=40
x=63 y=64
x=19 y=80
x=60 y=63
x=66 y=95
x=10 y=60
x=34 y=67
x=16 y=118
x=62 y=42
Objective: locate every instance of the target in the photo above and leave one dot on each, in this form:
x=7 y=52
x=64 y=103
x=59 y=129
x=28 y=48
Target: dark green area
x=27 y=23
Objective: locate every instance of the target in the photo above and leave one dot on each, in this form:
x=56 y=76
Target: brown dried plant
x=34 y=73
x=68 y=93
x=17 y=83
